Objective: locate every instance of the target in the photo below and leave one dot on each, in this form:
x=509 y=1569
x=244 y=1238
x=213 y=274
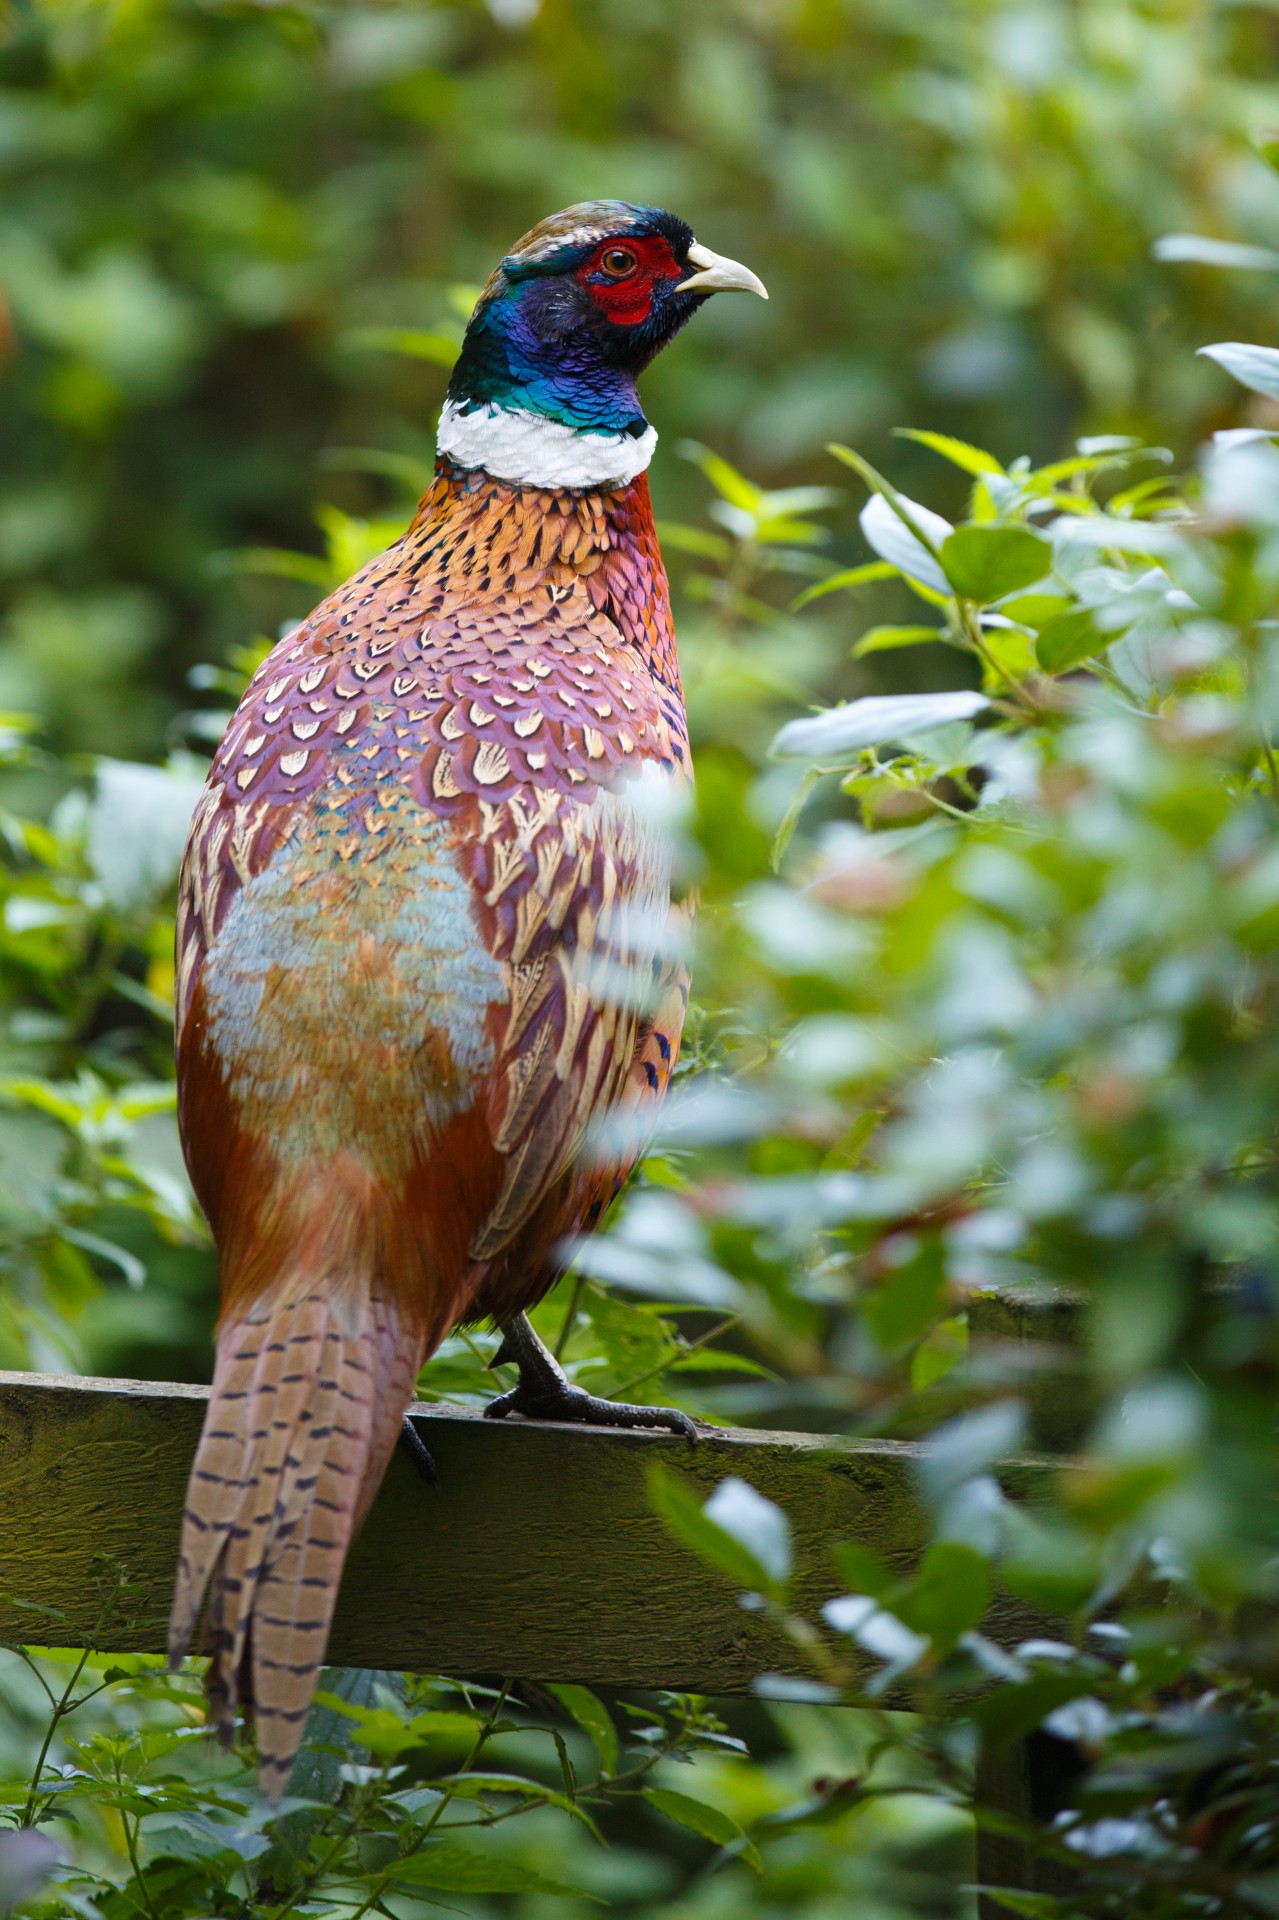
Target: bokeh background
x=953 y=203
x=236 y=244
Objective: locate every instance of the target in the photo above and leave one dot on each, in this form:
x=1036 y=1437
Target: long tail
x=309 y=1394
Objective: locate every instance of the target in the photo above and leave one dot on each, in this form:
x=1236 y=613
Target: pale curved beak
x=716 y=274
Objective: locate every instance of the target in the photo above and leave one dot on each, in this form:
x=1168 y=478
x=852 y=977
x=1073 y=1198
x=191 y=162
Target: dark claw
x=589 y=1409
x=420 y=1454
x=543 y=1393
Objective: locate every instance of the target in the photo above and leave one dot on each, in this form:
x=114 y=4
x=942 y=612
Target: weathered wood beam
x=537 y=1556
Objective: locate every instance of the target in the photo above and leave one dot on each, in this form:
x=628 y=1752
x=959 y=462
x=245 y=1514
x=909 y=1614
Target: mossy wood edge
x=538 y=1555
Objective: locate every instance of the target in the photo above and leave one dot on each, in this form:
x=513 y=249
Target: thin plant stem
x=972 y=629
x=570 y=1318
x=944 y=806
x=60 y=1711
x=374 y=1899
x=472 y=1349
x=678 y=1352
x=381 y=1885
x=130 y=1830
x=317 y=1873
x=484 y=1734
x=27 y=1661
x=599 y=1789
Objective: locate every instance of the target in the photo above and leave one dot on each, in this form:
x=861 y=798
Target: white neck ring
x=527 y=449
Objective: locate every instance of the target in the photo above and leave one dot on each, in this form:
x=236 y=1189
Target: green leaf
x=840 y=582
x=945 y=1345
x=138 y=828
x=332 y=1741
x=1254 y=367
x=595 y=1720
x=695 y=540
x=949 y=1595
x=861 y=1571
x=633 y=1336
x=709 y=1822
x=1010 y=656
x=146 y=1097
x=720 y=1360
x=761 y=1527
x=194 y=1836
x=127 y=1264
x=878 y=720
x=1036 y=609
x=790 y=819
x=726 y=480
x=1067 y=640
x=901 y=531
x=887 y=639
x=457 y=1870
x=1119 y=453
x=680 y=1507
x=784 y=530
x=906 y=1302
x=985 y=563
x=12 y=1601
x=787 y=501
x=282 y=562
x=45 y=1097
x=909 y=537
x=387 y=1734
x=1202 y=250
x=972 y=459
x=1013 y=1711
x=1054 y=1566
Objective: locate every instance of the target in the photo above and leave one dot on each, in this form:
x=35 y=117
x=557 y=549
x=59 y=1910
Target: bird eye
x=618 y=262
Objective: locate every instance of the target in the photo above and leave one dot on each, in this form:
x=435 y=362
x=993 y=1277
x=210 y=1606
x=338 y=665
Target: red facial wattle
x=626 y=299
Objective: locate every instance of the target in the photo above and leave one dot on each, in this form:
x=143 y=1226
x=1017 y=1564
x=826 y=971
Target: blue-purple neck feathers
x=526 y=348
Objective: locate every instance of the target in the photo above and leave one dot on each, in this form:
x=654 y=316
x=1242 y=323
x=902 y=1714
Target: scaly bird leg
x=419 y=1453
x=545 y=1393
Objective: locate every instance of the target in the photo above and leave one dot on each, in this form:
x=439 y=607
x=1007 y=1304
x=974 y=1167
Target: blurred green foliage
x=986 y=980
x=204 y=208
x=1024 y=999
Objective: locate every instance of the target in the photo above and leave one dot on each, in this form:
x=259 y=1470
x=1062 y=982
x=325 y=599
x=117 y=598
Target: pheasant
x=426 y=943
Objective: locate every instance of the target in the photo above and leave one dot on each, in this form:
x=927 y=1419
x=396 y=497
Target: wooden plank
x=537 y=1556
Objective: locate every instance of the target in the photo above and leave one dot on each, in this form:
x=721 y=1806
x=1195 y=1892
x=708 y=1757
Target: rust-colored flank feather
x=424 y=940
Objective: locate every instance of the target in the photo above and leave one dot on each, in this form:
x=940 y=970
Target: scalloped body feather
x=425 y=941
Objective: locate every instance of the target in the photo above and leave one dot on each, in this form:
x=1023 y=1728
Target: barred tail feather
x=309 y=1393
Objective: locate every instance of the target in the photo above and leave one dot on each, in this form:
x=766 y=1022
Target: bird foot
x=545 y=1393
x=419 y=1453
x=571 y=1403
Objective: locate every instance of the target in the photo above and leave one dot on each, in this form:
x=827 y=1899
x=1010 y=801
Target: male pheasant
x=425 y=941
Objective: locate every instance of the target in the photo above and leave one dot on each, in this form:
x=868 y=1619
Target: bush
x=984 y=1036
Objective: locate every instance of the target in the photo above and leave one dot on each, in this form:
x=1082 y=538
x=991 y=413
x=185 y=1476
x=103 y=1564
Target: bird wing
x=535 y=733
x=556 y=766
x=297 y=709
x=588 y=943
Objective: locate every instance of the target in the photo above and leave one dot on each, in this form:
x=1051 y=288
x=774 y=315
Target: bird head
x=567 y=322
